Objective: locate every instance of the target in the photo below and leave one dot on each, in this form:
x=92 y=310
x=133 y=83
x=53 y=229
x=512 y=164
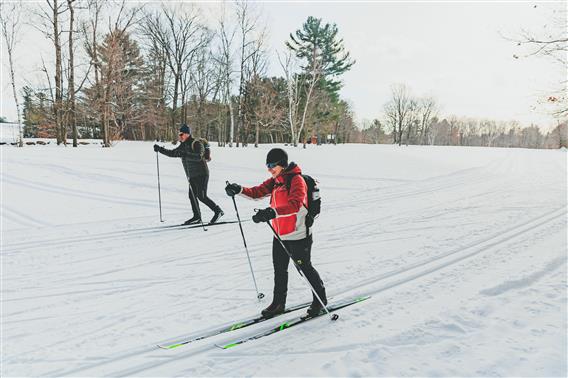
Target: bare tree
x=218 y=99
x=251 y=46
x=203 y=81
x=294 y=83
x=267 y=109
x=411 y=122
x=427 y=109
x=225 y=61
x=49 y=25
x=300 y=90
x=471 y=130
x=10 y=23
x=90 y=30
x=489 y=131
x=71 y=81
x=311 y=81
x=552 y=42
x=399 y=110
x=452 y=137
x=179 y=33
x=255 y=72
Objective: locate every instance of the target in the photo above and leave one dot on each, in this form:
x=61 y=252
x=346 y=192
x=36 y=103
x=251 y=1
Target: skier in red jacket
x=288 y=195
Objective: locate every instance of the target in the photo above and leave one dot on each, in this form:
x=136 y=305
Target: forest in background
x=127 y=71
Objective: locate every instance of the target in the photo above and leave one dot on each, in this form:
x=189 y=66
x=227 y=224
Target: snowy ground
x=463 y=251
x=9 y=132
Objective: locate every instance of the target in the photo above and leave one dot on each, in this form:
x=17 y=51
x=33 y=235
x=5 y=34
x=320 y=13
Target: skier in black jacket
x=191 y=151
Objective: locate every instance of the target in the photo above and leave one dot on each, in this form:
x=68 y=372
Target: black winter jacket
x=191 y=153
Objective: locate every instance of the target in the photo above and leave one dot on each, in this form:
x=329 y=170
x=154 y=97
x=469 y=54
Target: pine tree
x=323 y=53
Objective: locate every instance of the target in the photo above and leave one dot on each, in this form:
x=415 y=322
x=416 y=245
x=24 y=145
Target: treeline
x=136 y=73
x=415 y=120
x=456 y=131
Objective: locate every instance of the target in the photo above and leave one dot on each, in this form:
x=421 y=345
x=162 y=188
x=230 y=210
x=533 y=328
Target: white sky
x=453 y=51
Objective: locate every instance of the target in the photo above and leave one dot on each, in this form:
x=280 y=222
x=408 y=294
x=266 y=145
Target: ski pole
x=332 y=317
x=258 y=295
x=159 y=191
x=196 y=205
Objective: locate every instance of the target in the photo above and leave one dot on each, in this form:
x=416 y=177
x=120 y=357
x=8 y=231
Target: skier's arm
x=183 y=151
x=259 y=191
x=296 y=197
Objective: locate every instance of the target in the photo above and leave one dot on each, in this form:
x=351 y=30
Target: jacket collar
x=292 y=169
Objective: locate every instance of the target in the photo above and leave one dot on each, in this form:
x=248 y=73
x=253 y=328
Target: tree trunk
x=99 y=95
x=71 y=89
x=60 y=130
x=257 y=136
x=232 y=118
x=10 y=41
x=174 y=100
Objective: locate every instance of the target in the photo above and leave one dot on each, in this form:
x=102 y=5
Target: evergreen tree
x=322 y=52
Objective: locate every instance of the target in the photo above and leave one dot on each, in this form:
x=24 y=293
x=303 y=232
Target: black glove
x=264 y=215
x=233 y=189
x=157 y=148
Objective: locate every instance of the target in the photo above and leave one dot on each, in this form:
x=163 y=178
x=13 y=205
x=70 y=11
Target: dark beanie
x=185 y=129
x=277 y=156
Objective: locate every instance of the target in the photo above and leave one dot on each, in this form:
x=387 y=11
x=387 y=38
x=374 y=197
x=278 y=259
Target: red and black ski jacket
x=290 y=221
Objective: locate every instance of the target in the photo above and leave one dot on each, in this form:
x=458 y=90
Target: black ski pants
x=198 y=191
x=301 y=252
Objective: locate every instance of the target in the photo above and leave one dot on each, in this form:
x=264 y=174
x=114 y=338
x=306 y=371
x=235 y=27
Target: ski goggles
x=272 y=165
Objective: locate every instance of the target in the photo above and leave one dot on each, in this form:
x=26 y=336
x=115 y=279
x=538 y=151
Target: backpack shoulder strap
x=288 y=180
x=197 y=140
x=288 y=183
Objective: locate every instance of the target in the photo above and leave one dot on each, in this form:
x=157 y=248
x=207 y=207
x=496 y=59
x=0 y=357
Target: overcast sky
x=454 y=51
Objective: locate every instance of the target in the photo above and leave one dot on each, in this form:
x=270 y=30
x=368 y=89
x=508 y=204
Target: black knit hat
x=185 y=129
x=277 y=156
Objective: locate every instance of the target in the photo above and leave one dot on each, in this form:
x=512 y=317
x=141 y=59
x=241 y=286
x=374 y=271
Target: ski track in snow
x=402 y=277
x=445 y=240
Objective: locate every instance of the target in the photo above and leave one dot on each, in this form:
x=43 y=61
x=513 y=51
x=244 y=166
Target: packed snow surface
x=463 y=251
x=9 y=132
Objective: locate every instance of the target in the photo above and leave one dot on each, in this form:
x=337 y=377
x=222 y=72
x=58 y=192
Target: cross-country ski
x=294 y=322
x=231 y=327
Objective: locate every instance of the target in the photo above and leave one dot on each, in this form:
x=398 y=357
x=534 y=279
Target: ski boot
x=316 y=308
x=193 y=220
x=218 y=214
x=277 y=307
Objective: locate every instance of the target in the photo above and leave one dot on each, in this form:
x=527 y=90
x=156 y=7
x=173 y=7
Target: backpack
x=314 y=199
x=207 y=148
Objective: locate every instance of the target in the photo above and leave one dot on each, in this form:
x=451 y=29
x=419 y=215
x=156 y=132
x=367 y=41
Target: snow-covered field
x=463 y=250
x=9 y=132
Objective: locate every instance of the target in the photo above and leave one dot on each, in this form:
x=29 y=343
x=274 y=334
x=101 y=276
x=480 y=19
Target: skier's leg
x=301 y=251
x=194 y=204
x=203 y=194
x=280 y=261
x=203 y=183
